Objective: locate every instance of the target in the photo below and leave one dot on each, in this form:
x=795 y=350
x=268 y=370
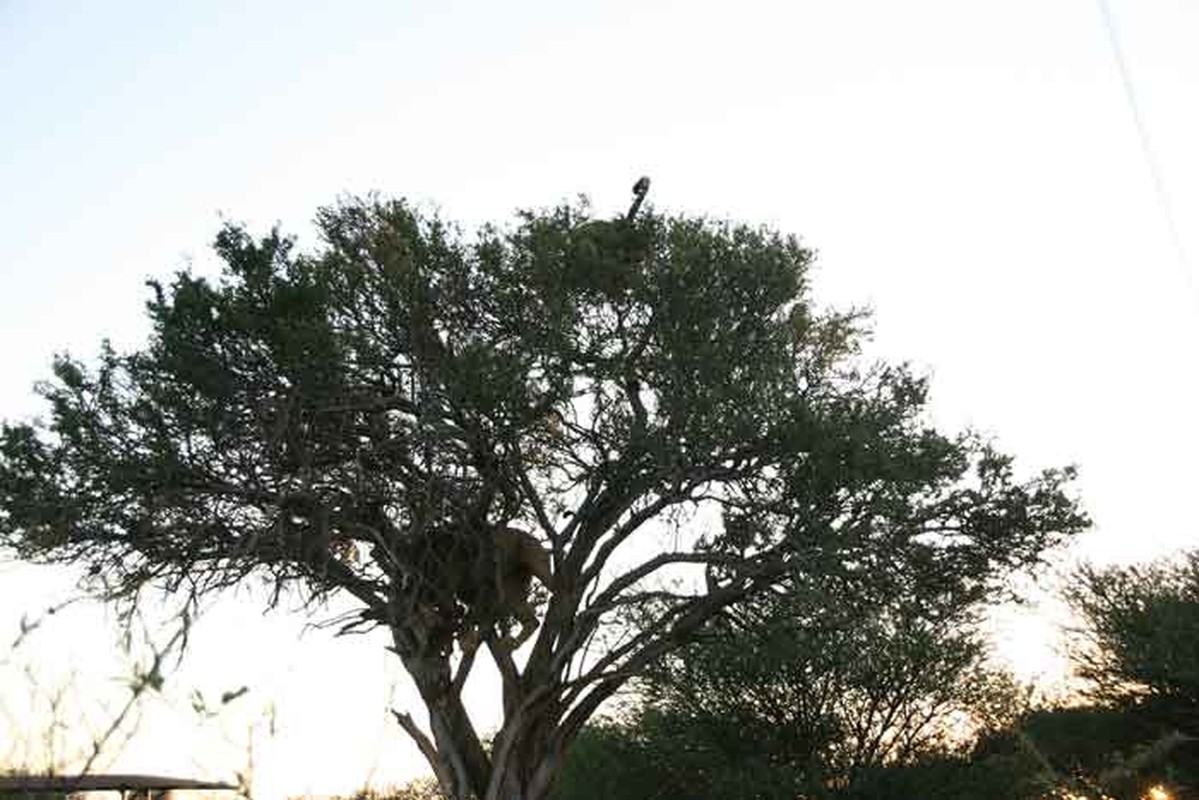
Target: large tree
x=403 y=413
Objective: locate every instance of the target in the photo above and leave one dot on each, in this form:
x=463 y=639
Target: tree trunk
x=459 y=750
x=456 y=754
x=522 y=765
x=524 y=769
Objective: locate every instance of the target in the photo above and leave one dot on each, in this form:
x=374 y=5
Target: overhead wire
x=1147 y=150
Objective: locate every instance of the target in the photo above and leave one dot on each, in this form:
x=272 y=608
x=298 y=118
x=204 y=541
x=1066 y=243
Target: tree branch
x=424 y=744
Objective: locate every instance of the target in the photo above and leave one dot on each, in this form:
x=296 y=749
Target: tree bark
x=526 y=757
x=455 y=754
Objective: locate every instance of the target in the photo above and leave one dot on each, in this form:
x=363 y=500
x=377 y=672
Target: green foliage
x=328 y=375
x=830 y=675
x=1096 y=751
x=328 y=420
x=641 y=761
x=844 y=671
x=659 y=757
x=825 y=687
x=1138 y=649
x=950 y=777
x=1082 y=739
x=738 y=713
x=608 y=761
x=331 y=375
x=1140 y=634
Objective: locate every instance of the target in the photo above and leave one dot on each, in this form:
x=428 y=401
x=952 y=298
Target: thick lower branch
x=462 y=766
x=425 y=745
x=526 y=749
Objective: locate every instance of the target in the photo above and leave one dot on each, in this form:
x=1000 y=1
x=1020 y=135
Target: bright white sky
x=971 y=170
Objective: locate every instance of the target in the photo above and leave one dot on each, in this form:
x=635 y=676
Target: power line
x=1159 y=185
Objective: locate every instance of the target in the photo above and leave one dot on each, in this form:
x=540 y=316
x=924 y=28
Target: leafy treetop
x=364 y=418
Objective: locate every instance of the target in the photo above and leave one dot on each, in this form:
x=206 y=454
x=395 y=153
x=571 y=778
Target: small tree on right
x=1139 y=636
x=1137 y=649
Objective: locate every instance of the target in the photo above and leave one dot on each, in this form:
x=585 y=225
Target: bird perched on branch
x=640 y=190
x=607 y=253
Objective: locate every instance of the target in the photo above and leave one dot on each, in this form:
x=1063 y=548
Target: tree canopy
x=367 y=418
x=832 y=680
x=1139 y=637
x=821 y=687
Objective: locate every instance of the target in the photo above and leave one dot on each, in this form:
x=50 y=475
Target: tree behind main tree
x=832 y=677
x=369 y=418
x=836 y=683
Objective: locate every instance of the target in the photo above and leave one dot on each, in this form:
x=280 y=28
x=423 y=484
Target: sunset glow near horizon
x=972 y=172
